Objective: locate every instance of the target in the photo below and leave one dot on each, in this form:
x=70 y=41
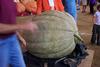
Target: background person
x=92 y=4
x=96 y=27
x=70 y=7
x=84 y=5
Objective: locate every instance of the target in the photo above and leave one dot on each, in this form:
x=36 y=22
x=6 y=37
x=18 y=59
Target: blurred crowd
x=85 y=3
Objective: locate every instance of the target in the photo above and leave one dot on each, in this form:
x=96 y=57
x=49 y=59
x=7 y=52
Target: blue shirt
x=92 y=1
x=70 y=7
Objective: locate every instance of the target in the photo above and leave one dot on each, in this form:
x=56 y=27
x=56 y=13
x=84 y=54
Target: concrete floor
x=85 y=28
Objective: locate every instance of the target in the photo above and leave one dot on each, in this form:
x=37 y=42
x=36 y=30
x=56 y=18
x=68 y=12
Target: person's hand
x=29 y=26
x=38 y=13
x=52 y=8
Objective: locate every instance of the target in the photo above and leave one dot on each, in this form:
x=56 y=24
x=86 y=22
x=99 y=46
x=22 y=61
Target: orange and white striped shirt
x=45 y=5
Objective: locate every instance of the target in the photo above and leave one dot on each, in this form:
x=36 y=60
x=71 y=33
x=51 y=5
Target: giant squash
x=55 y=36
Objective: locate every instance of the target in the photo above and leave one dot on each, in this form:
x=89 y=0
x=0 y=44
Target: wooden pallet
x=88 y=61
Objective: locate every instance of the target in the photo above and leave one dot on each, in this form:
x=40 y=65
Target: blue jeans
x=10 y=52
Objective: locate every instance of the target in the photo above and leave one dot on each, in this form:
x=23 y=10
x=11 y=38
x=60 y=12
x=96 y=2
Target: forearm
x=6 y=28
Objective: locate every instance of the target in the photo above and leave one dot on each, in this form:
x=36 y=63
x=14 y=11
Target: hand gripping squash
x=55 y=36
x=20 y=7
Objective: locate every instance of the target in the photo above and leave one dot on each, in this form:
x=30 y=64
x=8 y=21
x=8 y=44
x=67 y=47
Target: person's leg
x=4 y=54
x=78 y=5
x=79 y=2
x=98 y=36
x=93 y=38
x=98 y=39
x=16 y=58
x=91 y=9
x=85 y=8
x=87 y=2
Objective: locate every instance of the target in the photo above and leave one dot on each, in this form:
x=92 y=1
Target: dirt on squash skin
x=85 y=24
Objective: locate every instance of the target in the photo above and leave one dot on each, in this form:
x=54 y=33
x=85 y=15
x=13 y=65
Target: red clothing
x=7 y=14
x=43 y=5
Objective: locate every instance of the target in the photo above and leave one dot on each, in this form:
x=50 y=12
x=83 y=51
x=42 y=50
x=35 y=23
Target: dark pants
x=92 y=8
x=87 y=2
x=71 y=60
x=96 y=34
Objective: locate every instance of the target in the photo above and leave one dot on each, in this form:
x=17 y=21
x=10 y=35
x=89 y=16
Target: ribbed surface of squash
x=55 y=36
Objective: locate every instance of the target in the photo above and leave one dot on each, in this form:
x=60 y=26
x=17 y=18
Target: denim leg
x=98 y=35
x=4 y=55
x=16 y=58
x=98 y=39
x=93 y=38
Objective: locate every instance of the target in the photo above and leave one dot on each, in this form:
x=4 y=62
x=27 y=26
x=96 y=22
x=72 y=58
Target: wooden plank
x=88 y=61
